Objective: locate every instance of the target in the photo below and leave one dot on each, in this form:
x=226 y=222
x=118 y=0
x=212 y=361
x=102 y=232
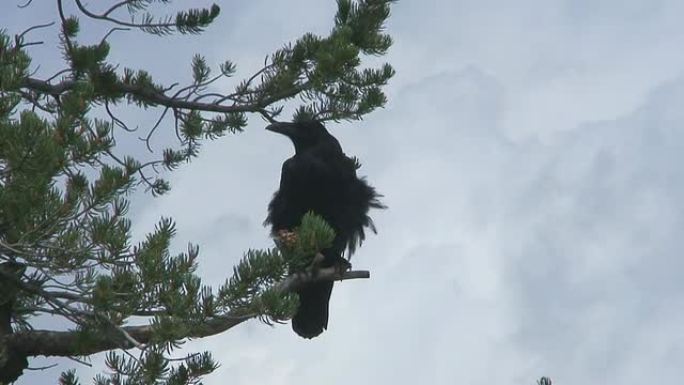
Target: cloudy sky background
x=530 y=154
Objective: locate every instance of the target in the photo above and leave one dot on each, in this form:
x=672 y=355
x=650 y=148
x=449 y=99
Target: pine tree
x=65 y=239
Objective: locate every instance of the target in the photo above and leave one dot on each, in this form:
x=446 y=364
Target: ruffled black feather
x=322 y=179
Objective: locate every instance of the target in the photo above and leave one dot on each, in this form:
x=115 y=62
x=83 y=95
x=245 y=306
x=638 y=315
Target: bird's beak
x=284 y=128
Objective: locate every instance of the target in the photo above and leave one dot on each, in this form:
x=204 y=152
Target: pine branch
x=159 y=98
x=68 y=343
x=192 y=21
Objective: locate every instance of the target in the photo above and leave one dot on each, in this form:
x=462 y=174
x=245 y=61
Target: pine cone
x=287 y=238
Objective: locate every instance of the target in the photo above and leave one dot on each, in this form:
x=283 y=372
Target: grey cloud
x=601 y=264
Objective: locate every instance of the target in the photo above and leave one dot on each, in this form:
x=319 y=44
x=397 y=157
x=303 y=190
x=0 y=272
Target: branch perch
x=66 y=343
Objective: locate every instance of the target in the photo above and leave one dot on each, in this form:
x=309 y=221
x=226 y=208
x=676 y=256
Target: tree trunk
x=12 y=363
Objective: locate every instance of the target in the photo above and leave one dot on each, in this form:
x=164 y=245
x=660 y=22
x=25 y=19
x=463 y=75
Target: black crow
x=322 y=179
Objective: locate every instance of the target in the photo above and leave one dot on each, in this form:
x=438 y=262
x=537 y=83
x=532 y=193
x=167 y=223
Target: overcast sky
x=530 y=155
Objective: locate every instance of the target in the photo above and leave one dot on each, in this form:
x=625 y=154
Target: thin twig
x=112 y=31
x=57 y=74
x=35 y=27
x=42 y=367
x=118 y=121
x=129 y=338
x=88 y=364
x=115 y=7
x=26 y=4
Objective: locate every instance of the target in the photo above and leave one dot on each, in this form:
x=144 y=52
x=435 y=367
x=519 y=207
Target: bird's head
x=302 y=134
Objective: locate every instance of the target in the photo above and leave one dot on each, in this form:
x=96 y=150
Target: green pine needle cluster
x=327 y=69
x=313 y=235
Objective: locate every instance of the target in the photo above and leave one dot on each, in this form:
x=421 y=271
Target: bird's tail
x=312 y=315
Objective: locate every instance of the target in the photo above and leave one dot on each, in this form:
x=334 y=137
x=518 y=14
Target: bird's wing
x=299 y=174
x=361 y=197
x=278 y=216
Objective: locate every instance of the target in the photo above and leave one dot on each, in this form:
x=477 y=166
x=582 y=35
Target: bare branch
x=115 y=7
x=33 y=28
x=106 y=36
x=120 y=123
x=26 y=4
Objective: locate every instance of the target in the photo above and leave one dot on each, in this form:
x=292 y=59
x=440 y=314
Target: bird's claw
x=342 y=266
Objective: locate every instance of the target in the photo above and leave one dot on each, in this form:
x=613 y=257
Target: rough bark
x=12 y=361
